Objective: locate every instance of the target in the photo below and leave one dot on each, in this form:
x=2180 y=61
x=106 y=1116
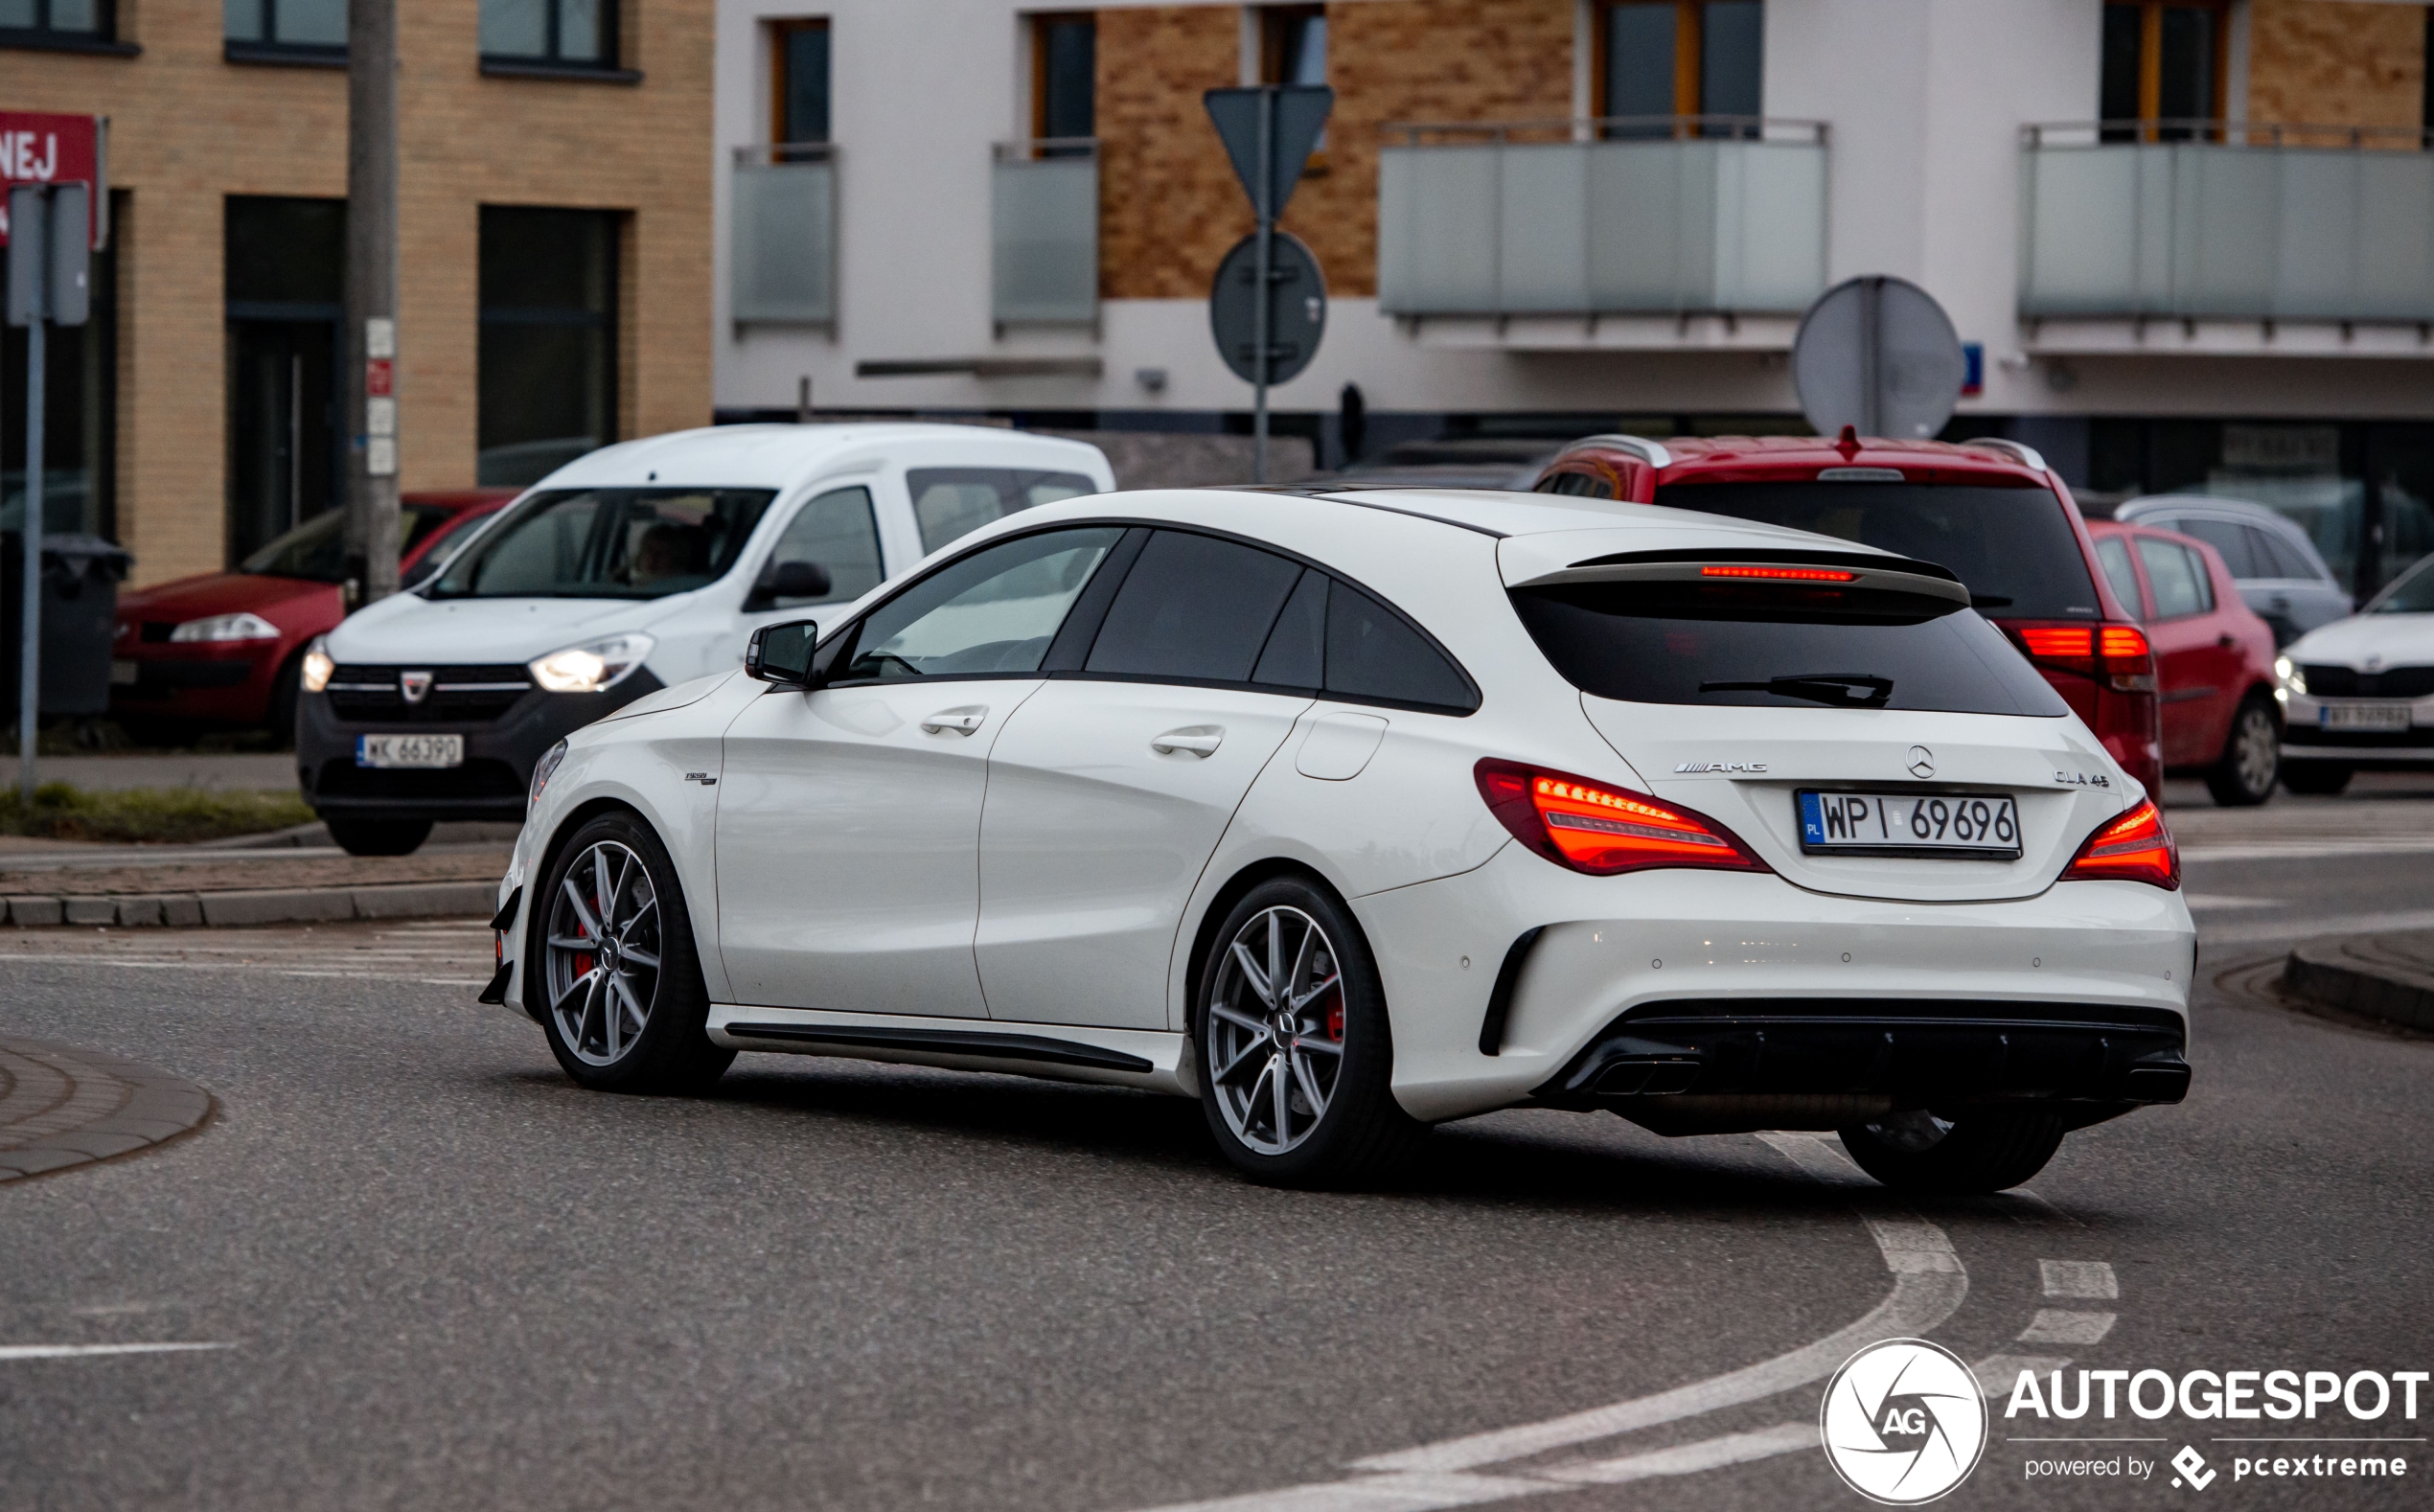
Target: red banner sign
x=39 y=148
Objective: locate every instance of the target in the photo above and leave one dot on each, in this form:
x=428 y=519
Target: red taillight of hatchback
x=2117 y=655
x=1603 y=830
x=2134 y=847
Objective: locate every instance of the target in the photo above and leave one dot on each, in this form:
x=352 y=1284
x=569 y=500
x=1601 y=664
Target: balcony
x=2191 y=221
x=1657 y=216
x=783 y=235
x=1044 y=233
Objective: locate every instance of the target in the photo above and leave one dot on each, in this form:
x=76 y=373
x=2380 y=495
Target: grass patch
x=166 y=814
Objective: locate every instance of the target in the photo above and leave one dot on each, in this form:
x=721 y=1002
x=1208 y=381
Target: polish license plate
x=1957 y=825
x=409 y=751
x=2362 y=717
x=123 y=674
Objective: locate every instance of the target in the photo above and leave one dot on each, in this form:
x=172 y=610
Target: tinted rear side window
x=1649 y=643
x=2013 y=547
x=1374 y=655
x=1194 y=608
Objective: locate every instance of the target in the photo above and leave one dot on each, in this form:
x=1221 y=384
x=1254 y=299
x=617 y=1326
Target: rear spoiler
x=1873 y=571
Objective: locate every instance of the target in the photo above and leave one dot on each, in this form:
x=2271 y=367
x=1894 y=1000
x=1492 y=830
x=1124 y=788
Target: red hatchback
x=2213 y=653
x=222 y=648
x=1991 y=510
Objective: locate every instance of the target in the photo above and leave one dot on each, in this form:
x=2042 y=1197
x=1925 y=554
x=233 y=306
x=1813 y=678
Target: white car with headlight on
x=1348 y=814
x=635 y=567
x=2359 y=693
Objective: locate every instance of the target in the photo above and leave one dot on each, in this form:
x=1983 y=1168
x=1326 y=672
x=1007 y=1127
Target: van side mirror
x=782 y=653
x=788 y=580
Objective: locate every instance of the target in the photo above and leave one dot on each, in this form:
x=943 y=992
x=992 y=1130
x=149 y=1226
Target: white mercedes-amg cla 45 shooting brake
x=1347 y=812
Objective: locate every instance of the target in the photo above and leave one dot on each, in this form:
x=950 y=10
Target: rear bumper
x=1712 y=953
x=492 y=784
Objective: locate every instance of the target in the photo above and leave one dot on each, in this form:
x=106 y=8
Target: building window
x=798 y=84
x=1063 y=76
x=569 y=33
x=280 y=29
x=48 y=22
x=1682 y=57
x=284 y=280
x=547 y=381
x=2163 y=63
x=1293 y=44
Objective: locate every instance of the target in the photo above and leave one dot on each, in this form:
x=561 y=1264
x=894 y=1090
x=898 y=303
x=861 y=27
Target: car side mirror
x=789 y=580
x=782 y=653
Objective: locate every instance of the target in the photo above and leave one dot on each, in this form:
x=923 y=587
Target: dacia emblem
x=415 y=686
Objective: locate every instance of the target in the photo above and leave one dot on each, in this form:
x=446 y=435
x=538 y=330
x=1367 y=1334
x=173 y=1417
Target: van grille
x=458 y=696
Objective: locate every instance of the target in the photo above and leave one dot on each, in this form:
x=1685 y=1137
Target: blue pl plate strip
x=1812 y=820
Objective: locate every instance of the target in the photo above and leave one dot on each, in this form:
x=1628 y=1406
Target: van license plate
x=2362 y=717
x=1972 y=826
x=409 y=751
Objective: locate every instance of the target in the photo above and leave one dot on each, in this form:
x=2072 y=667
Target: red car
x=223 y=647
x=2213 y=653
x=1991 y=511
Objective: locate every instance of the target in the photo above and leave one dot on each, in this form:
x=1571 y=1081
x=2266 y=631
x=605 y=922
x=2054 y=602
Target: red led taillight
x=2135 y=847
x=1603 y=830
x=2116 y=654
x=1782 y=574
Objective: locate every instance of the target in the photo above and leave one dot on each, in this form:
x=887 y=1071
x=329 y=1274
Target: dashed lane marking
x=88 y=1351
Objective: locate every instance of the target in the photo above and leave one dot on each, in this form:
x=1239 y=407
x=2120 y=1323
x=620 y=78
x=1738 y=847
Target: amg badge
x=1721 y=766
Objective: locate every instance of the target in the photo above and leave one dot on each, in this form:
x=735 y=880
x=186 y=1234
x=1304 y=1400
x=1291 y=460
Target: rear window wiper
x=1843 y=690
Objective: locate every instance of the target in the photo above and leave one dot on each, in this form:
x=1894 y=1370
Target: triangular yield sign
x=1301 y=114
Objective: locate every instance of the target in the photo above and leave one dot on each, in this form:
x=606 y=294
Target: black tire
x=1361 y=1134
x=1978 y=1151
x=2320 y=779
x=673 y=1052
x=286 y=688
x=379 y=836
x=2252 y=756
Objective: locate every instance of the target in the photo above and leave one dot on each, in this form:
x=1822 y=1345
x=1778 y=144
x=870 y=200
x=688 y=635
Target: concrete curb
x=446 y=899
x=64 y=1107
x=2387 y=976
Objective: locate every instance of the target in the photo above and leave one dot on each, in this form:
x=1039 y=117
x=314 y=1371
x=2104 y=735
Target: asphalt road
x=441 y=1276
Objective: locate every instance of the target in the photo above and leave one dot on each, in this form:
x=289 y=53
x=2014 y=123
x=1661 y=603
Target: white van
x=641 y=565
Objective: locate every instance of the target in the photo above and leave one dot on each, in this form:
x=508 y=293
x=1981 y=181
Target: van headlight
x=318 y=665
x=592 y=666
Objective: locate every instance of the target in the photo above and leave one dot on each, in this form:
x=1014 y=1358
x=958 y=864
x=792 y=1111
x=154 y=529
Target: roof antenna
x=1847 y=442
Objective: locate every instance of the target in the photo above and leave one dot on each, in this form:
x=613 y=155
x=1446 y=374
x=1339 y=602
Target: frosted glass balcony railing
x=1044 y=233
x=782 y=235
x=2227 y=221
x=1659 y=214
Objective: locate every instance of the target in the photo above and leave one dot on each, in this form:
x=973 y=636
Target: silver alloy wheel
x=603 y=974
x=2256 y=752
x=1275 y=1029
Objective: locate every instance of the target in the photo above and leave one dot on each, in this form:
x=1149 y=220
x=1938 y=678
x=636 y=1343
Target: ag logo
x=1904 y=1422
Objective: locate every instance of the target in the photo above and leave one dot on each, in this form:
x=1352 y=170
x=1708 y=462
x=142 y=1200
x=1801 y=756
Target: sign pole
x=1262 y=336
x=29 y=213
x=372 y=299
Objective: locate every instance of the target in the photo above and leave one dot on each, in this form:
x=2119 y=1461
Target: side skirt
x=1147 y=1059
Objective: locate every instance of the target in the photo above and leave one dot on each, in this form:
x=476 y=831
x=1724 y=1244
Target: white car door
x=1109 y=788
x=849 y=816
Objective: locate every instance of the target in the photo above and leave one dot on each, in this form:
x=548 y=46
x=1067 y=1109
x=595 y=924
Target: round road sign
x=1879 y=355
x=1297 y=308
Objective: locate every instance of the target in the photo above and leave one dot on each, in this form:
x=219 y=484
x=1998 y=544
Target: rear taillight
x=2134 y=847
x=2116 y=655
x=1577 y=823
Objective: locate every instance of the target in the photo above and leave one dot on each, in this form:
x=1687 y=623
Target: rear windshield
x=1776 y=648
x=2013 y=547
x=607 y=543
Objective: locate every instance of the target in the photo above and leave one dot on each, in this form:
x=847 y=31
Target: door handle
x=1200 y=739
x=962 y=721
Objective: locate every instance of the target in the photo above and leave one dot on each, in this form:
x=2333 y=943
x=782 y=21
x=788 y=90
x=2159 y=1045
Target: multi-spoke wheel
x=612 y=964
x=1296 y=1056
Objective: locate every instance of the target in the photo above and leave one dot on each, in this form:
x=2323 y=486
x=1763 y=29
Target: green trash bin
x=81 y=575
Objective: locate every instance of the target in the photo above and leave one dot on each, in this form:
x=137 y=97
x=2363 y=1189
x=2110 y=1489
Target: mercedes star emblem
x=1923 y=762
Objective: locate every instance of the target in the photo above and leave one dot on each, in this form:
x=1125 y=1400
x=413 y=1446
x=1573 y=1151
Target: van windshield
x=2013 y=547
x=607 y=543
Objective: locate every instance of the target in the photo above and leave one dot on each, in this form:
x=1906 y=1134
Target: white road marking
x=2078 y=1278
x=2305 y=928
x=86 y=1351
x=1929 y=1285
x=2224 y=900
x=2058 y=1325
x=2306 y=850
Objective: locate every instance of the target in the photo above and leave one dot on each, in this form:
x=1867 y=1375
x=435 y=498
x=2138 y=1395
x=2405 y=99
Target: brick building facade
x=227 y=165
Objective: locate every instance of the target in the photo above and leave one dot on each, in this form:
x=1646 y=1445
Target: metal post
x=1262 y=337
x=371 y=297
x=29 y=652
